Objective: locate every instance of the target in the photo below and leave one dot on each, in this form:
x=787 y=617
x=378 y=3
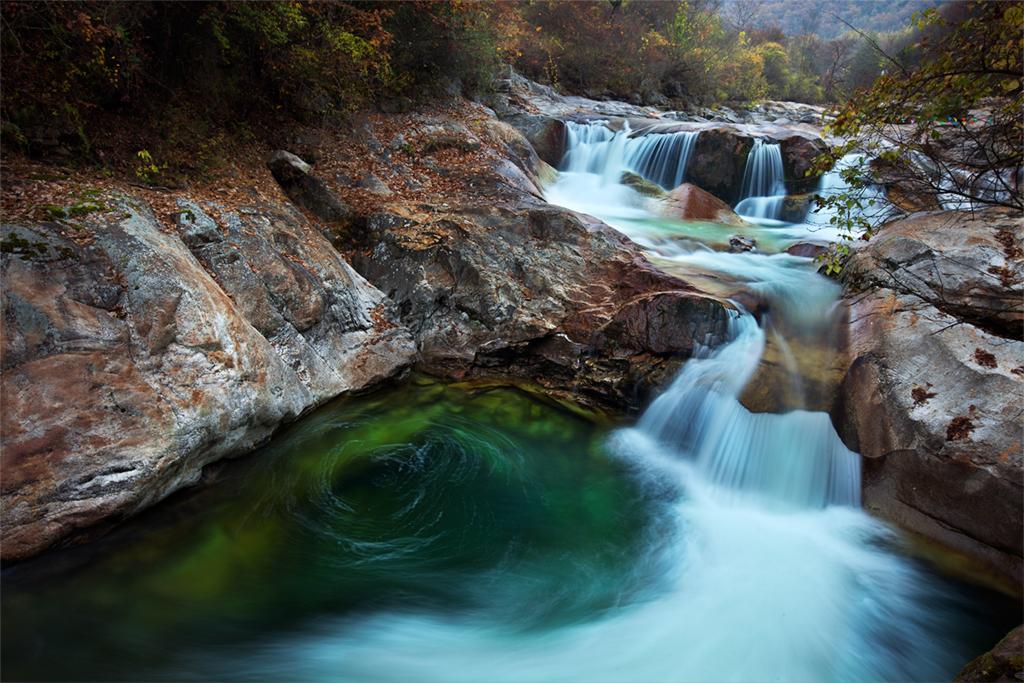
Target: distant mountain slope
x=820 y=16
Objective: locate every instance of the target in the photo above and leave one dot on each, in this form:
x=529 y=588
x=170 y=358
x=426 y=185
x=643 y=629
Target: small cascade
x=793 y=459
x=764 y=189
x=875 y=207
x=662 y=157
x=658 y=157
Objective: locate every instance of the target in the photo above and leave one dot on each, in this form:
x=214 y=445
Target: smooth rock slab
x=931 y=399
x=127 y=367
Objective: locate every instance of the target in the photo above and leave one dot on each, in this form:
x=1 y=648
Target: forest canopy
x=215 y=70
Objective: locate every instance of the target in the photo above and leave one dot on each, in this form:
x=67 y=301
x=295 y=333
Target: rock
x=969 y=268
x=546 y=135
x=690 y=203
x=447 y=135
x=130 y=362
x=796 y=207
x=807 y=249
x=931 y=397
x=642 y=185
x=1002 y=664
x=522 y=289
x=374 y=184
x=798 y=155
x=306 y=190
x=717 y=161
x=739 y=244
x=516 y=149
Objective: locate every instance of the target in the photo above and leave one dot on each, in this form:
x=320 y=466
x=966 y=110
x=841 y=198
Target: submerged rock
x=133 y=359
x=807 y=249
x=690 y=203
x=739 y=244
x=642 y=185
x=931 y=398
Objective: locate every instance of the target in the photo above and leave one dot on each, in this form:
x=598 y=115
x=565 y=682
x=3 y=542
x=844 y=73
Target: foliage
x=147 y=170
x=945 y=124
x=795 y=17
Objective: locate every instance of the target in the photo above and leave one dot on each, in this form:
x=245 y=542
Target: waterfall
x=662 y=157
x=790 y=459
x=763 y=176
x=764 y=189
x=658 y=157
x=765 y=567
x=875 y=208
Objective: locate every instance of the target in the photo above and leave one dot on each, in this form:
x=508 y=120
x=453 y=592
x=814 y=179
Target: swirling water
x=460 y=533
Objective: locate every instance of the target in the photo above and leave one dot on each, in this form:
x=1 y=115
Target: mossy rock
x=641 y=185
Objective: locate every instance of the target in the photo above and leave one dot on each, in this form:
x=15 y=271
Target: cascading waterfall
x=658 y=157
x=764 y=189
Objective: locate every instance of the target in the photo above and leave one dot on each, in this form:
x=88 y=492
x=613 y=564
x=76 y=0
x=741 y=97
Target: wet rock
x=717 y=162
x=1002 y=664
x=931 y=395
x=642 y=185
x=690 y=203
x=523 y=289
x=807 y=249
x=132 y=361
x=309 y=192
x=546 y=135
x=798 y=155
x=739 y=244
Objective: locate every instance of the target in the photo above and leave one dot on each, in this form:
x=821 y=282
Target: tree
x=950 y=129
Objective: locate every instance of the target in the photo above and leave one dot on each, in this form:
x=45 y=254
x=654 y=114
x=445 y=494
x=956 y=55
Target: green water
x=422 y=498
x=452 y=534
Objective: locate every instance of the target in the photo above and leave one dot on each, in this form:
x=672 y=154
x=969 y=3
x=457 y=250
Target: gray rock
x=523 y=289
x=374 y=184
x=309 y=192
x=931 y=398
x=131 y=363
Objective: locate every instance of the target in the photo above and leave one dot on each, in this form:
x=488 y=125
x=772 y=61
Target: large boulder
x=296 y=179
x=717 y=161
x=523 y=289
x=931 y=397
x=546 y=134
x=690 y=203
x=798 y=155
x=971 y=268
x=133 y=354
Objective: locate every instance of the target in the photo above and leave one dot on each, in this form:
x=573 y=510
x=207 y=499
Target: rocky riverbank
x=931 y=398
x=142 y=345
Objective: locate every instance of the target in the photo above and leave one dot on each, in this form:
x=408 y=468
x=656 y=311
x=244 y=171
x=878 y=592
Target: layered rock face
x=132 y=356
x=932 y=398
x=521 y=288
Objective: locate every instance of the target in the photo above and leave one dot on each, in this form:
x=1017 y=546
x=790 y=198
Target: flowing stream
x=461 y=533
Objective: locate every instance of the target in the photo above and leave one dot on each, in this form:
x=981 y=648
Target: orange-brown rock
x=690 y=203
